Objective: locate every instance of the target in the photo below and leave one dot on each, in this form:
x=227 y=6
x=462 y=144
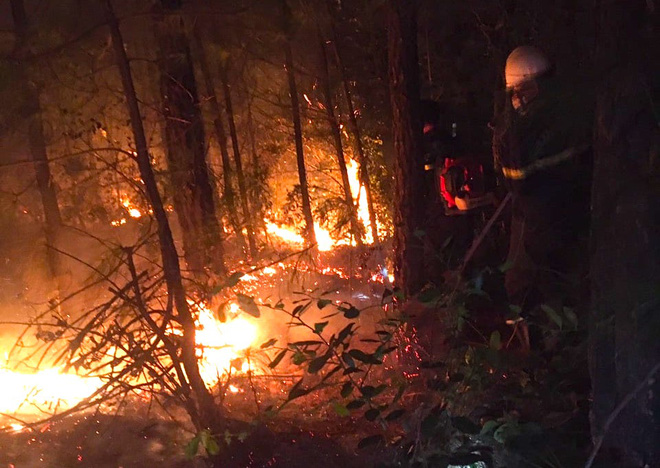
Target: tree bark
x=245 y=205
x=407 y=132
x=228 y=190
x=309 y=234
x=625 y=261
x=38 y=149
x=357 y=136
x=204 y=413
x=339 y=147
x=193 y=194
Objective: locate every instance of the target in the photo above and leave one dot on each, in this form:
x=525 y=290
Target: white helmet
x=523 y=64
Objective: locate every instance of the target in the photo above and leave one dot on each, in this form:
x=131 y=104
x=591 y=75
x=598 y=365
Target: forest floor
x=472 y=397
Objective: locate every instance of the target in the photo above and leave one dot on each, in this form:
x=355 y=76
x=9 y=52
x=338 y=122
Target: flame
x=45 y=391
x=223 y=345
x=132 y=210
x=324 y=240
x=222 y=349
x=360 y=199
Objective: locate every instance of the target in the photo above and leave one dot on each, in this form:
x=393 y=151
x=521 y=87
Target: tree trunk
x=247 y=215
x=205 y=413
x=625 y=262
x=355 y=129
x=339 y=147
x=193 y=194
x=228 y=191
x=309 y=234
x=407 y=132
x=38 y=151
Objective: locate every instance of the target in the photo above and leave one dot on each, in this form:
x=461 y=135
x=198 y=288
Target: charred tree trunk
x=625 y=263
x=339 y=147
x=228 y=190
x=193 y=194
x=203 y=412
x=242 y=189
x=38 y=151
x=409 y=193
x=357 y=136
x=310 y=235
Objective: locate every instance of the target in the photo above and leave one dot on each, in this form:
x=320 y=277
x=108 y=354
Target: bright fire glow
x=222 y=348
x=133 y=212
x=360 y=196
x=223 y=345
x=324 y=240
x=47 y=390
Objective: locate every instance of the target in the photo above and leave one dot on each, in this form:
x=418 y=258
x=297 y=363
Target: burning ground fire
x=324 y=239
x=222 y=348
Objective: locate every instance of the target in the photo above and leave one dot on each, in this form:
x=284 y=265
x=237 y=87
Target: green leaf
x=192 y=447
x=371 y=440
x=352 y=313
x=247 y=305
x=298 y=358
x=506 y=266
x=306 y=343
x=269 y=343
x=345 y=332
x=355 y=404
x=489 y=426
x=230 y=282
x=572 y=318
x=348 y=360
x=495 y=340
x=233 y=279
x=346 y=389
x=321 y=303
x=465 y=425
x=429 y=296
x=300 y=308
x=298 y=390
x=273 y=364
x=399 y=393
x=317 y=364
x=209 y=443
x=369 y=391
x=506 y=432
x=318 y=327
x=371 y=414
x=396 y=414
x=552 y=315
x=340 y=409
x=364 y=357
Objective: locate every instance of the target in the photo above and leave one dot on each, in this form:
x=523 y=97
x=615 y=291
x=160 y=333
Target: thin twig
x=612 y=417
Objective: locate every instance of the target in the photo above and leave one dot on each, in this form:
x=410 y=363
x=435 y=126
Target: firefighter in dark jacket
x=543 y=155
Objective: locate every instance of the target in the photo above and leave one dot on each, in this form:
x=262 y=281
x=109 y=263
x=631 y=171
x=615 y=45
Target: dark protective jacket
x=544 y=158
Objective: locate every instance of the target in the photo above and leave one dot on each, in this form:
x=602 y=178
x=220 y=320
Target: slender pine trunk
x=38 y=150
x=309 y=235
x=205 y=414
x=339 y=147
x=228 y=191
x=242 y=190
x=363 y=160
x=192 y=192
